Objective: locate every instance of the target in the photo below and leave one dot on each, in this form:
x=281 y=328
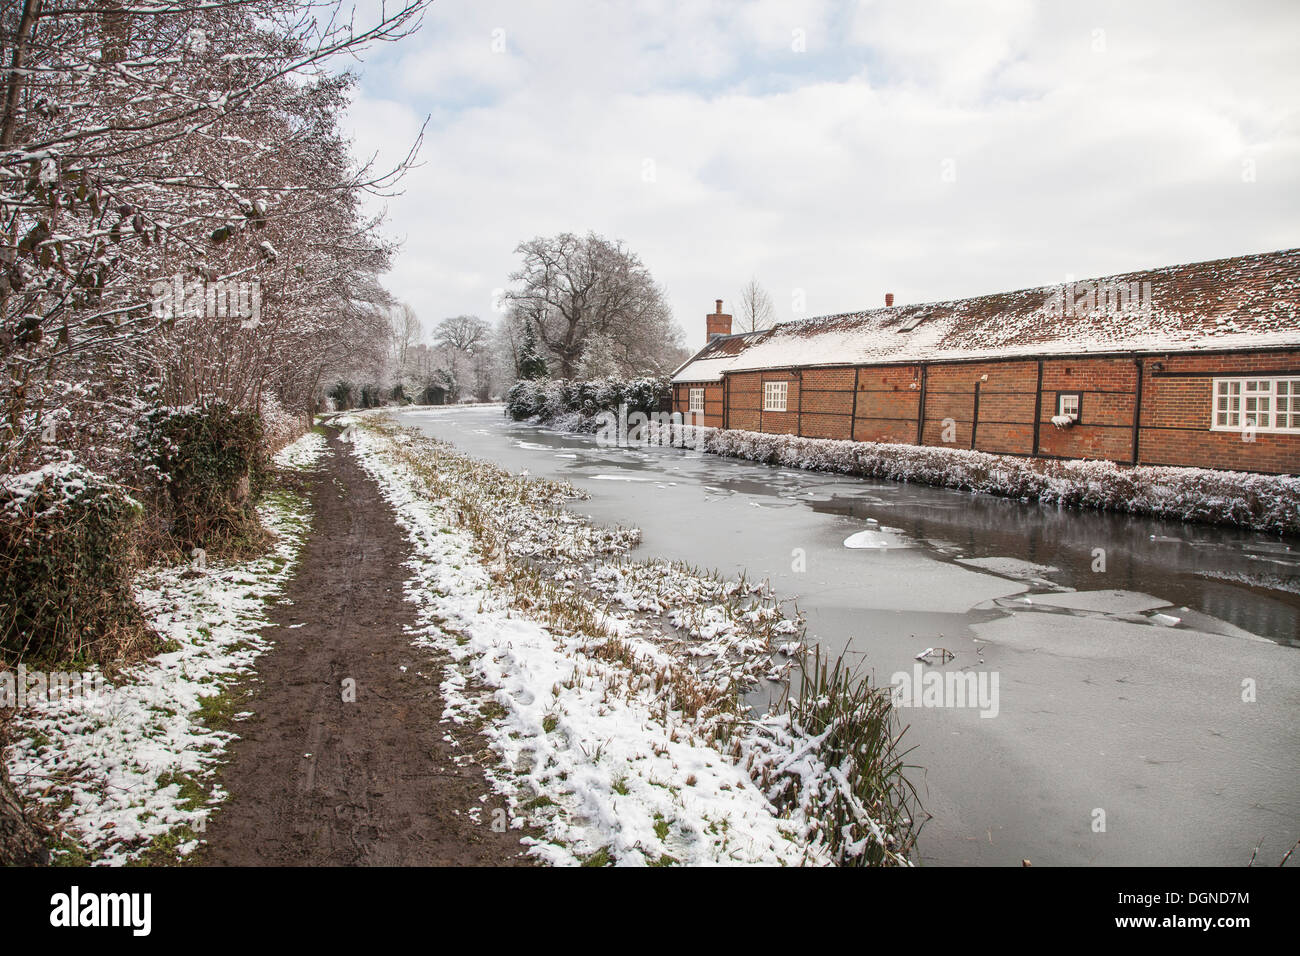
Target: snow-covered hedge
x=1260 y=502
x=280 y=427
x=209 y=459
x=580 y=404
x=65 y=568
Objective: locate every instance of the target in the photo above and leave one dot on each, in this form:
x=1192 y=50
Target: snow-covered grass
x=834 y=754
x=611 y=691
x=1259 y=502
x=127 y=771
x=302 y=453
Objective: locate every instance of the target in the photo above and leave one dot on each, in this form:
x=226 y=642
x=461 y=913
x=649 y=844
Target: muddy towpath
x=317 y=778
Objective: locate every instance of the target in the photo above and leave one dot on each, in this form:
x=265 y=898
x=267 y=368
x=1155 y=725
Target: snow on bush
x=280 y=427
x=207 y=461
x=574 y=405
x=127 y=770
x=65 y=566
x=86 y=422
x=1260 y=502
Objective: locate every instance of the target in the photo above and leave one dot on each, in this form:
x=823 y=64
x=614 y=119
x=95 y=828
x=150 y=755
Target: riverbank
x=1075 y=609
x=612 y=691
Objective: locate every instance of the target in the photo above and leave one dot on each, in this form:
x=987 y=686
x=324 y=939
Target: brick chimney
x=719 y=323
x=889 y=300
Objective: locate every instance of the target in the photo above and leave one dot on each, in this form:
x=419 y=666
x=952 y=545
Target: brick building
x=1187 y=365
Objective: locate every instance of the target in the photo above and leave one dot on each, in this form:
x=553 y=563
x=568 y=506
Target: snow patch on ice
x=1103 y=601
x=882 y=539
x=1010 y=567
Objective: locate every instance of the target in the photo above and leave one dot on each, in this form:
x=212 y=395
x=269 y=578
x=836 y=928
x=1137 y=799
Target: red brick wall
x=825 y=402
x=1107 y=388
x=882 y=404
x=712 y=403
x=1177 y=408
x=1006 y=406
x=888 y=404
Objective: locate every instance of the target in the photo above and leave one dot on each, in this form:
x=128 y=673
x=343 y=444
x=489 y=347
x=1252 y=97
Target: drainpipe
x=920 y=408
x=1038 y=405
x=798 y=407
x=853 y=415
x=1137 y=411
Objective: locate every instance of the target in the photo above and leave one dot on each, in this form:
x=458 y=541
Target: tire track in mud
x=317 y=781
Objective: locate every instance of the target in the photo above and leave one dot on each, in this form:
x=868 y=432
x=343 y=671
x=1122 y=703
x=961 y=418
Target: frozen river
x=1122 y=735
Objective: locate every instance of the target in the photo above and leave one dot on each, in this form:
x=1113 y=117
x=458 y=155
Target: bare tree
x=756 y=311
x=574 y=287
x=407 y=332
x=461 y=333
x=464 y=342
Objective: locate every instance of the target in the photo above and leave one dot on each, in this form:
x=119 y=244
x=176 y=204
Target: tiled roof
x=1240 y=303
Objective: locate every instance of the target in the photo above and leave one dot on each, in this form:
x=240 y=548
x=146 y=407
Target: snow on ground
x=128 y=765
x=1270 y=582
x=588 y=751
x=303 y=453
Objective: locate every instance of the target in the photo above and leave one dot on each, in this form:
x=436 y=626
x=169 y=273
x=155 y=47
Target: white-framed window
x=697 y=401
x=774 y=396
x=1262 y=404
x=1068 y=405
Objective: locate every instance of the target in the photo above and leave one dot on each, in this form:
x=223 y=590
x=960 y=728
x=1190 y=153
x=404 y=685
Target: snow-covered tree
x=462 y=342
x=530 y=363
x=598 y=359
x=179 y=204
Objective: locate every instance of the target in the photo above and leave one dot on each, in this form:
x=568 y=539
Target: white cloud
x=823 y=170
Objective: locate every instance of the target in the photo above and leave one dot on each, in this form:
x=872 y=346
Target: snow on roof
x=1246 y=302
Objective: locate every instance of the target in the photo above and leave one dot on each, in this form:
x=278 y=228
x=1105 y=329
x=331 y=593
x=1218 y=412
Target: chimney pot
x=889 y=300
x=718 y=309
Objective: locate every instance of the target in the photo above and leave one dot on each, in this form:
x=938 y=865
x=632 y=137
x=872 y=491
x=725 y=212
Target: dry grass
x=835 y=753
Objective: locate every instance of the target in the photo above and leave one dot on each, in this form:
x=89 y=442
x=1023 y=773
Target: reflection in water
x=1247 y=579
x=1183 y=564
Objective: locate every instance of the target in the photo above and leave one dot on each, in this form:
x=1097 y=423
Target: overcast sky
x=836 y=150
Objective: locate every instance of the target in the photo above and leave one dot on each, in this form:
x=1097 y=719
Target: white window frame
x=1232 y=398
x=776 y=396
x=695 y=402
x=1074 y=398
